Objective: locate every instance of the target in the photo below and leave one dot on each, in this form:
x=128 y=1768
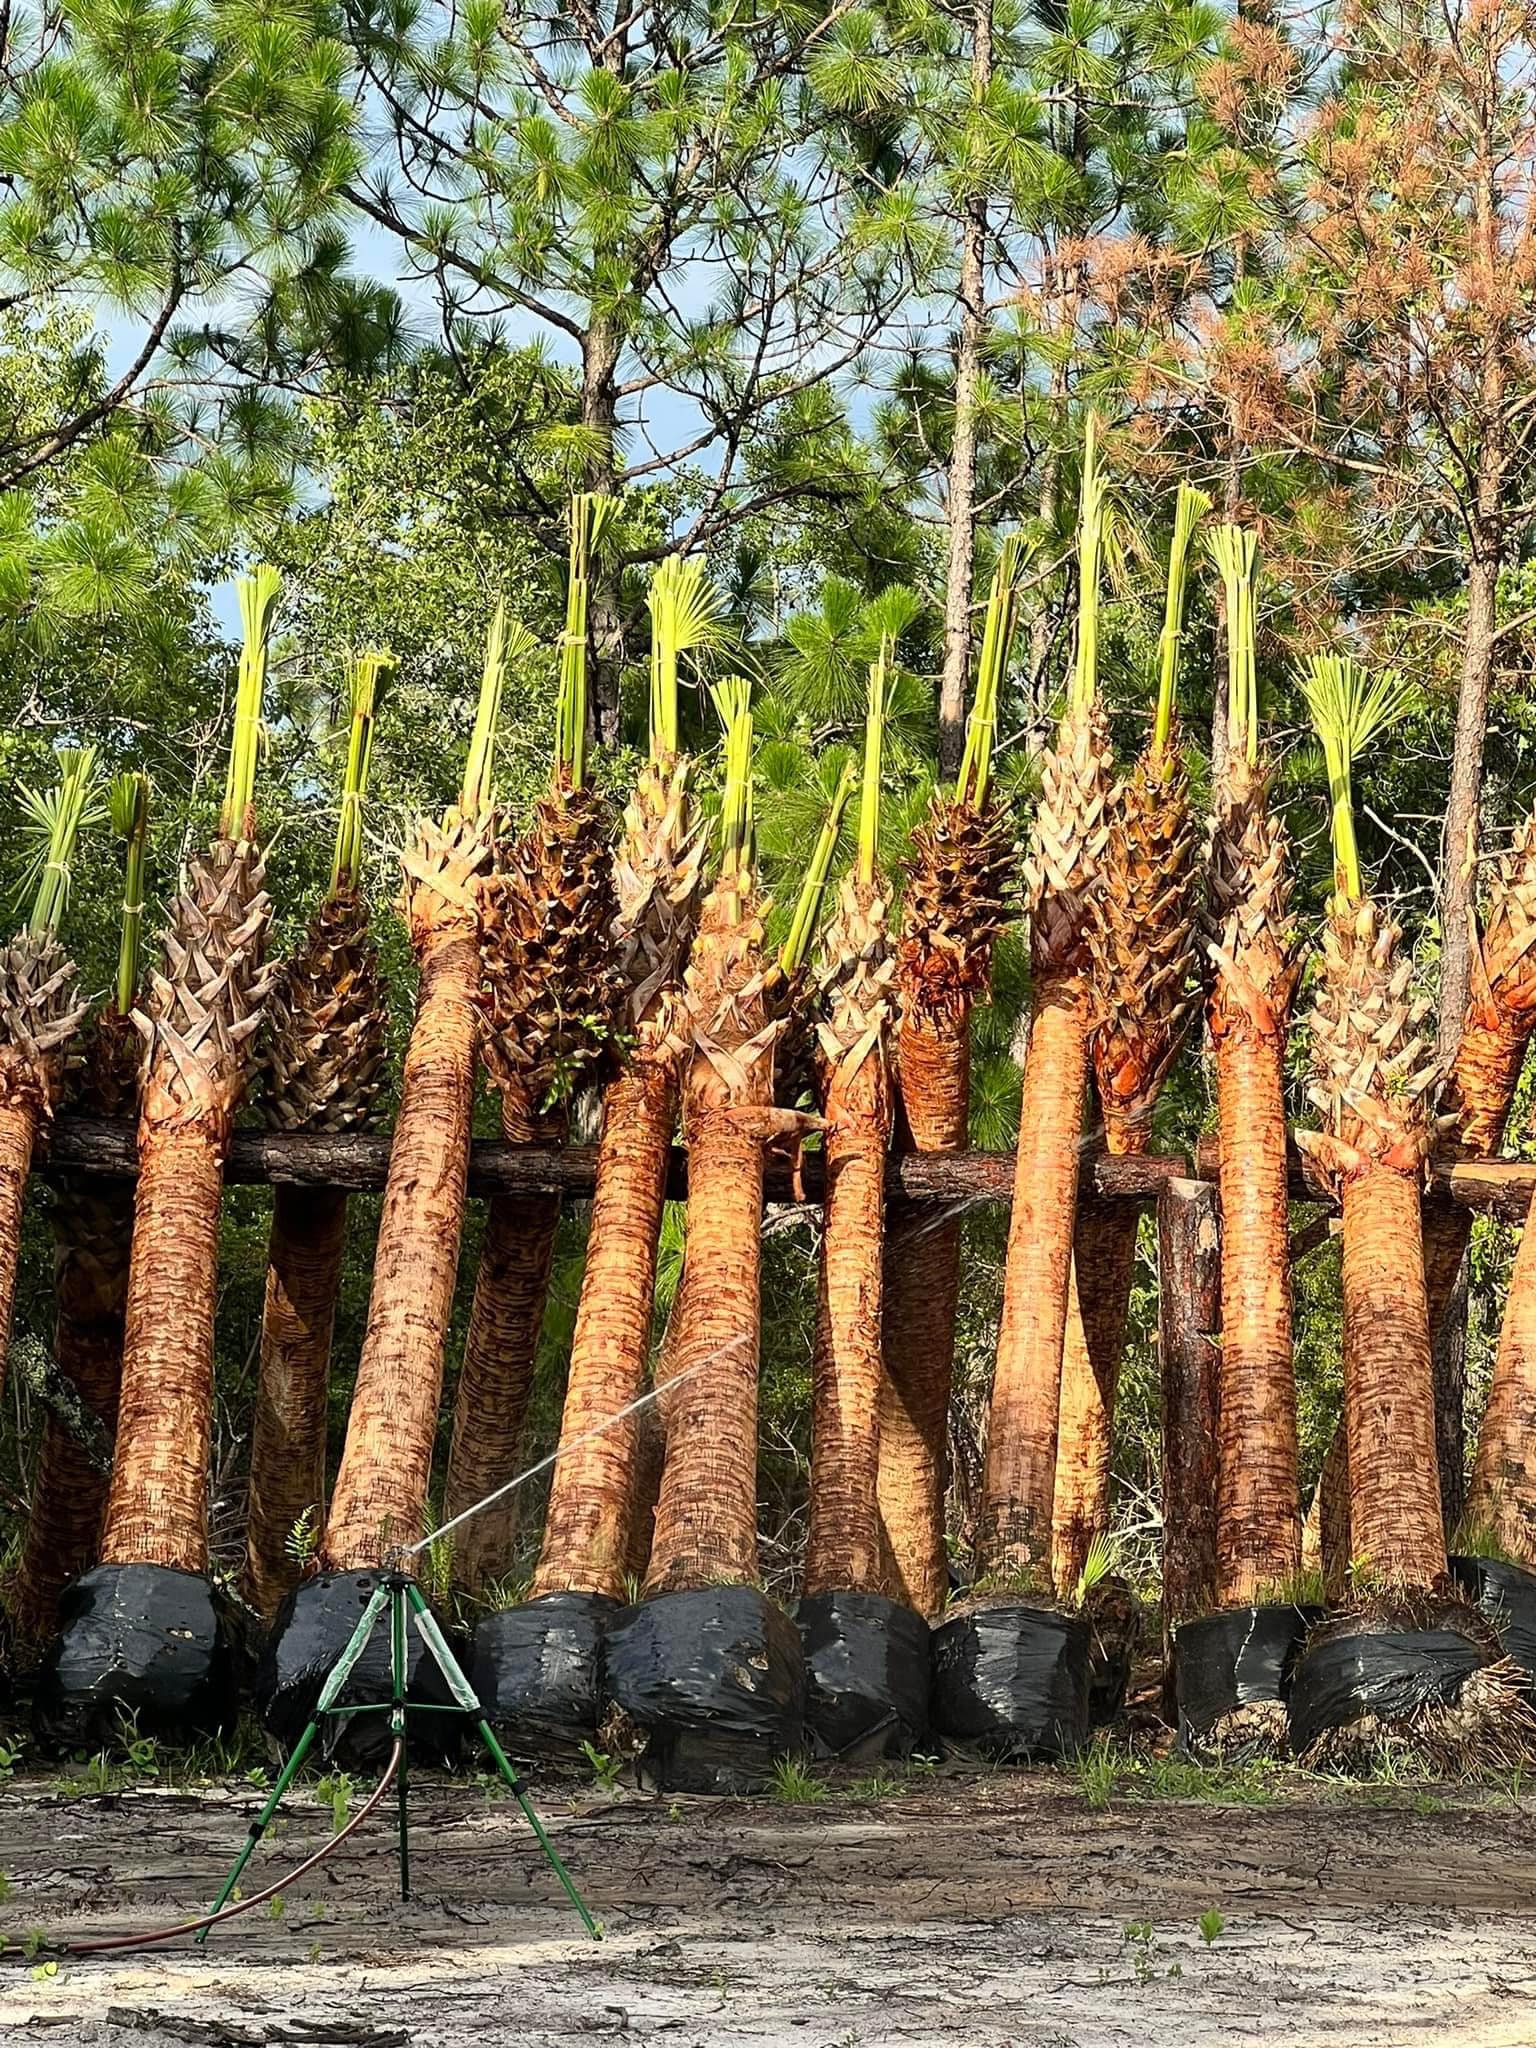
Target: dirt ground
x=986 y=1912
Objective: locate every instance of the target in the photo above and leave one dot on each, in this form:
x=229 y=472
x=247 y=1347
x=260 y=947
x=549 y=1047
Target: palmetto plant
x=1061 y=874
x=855 y=1009
x=380 y=1495
x=323 y=1064
x=1251 y=945
x=658 y=874
x=1374 y=1077
x=551 y=993
x=1141 y=936
x=956 y=901
x=199 y=1017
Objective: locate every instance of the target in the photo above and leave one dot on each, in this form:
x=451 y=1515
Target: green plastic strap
x=342 y=1669
x=447 y=1663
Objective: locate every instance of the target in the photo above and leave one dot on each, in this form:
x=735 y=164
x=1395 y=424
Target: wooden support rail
x=1503 y=1187
x=359 y=1161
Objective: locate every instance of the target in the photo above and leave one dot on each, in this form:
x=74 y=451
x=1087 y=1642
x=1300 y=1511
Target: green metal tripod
x=399 y=1593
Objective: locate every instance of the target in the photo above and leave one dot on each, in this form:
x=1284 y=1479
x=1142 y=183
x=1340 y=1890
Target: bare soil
x=972 y=1912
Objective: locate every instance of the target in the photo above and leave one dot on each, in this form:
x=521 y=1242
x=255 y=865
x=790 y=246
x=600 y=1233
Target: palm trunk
x=93 y=1221
x=1501 y=1500
x=706 y=1519
x=1389 y=1401
x=1103 y=1269
x=18 y=1130
x=381 y=1489
x=1259 y=1526
x=305 y=1252
x=1325 y=1534
x=594 y=1484
x=157 y=1506
x=501 y=1349
x=842 y=1551
x=1019 y=1485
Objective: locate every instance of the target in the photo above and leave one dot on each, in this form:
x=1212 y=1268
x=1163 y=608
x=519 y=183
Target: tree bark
x=305 y=1252
x=18 y=1130
x=599 y=415
x=1501 y=1501
x=1189 y=1341
x=1458 y=876
x=1103 y=1270
x=960 y=505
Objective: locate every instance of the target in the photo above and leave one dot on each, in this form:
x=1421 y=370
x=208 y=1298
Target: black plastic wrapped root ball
x=1364 y=1679
x=313 y=1627
x=139 y=1643
x=538 y=1672
x=868 y=1671
x=1506 y=1594
x=1011 y=1683
x=715 y=1682
x=1232 y=1671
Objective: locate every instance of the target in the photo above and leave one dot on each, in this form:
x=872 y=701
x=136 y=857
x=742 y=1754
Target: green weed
x=606 y=1769
x=1211 y=1924
x=793 y=1785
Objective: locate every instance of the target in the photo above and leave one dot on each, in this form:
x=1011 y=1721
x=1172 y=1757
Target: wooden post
x=1189 y=1320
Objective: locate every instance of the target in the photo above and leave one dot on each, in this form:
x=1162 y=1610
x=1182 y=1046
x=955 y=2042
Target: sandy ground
x=993 y=1912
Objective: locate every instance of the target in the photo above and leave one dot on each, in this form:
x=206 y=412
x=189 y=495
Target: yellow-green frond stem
x=258 y=594
x=592 y=515
x=508 y=640
x=997 y=634
x=1235 y=551
x=687 y=616
x=1190 y=507
x=363 y=685
x=1349 y=707
x=1090 y=555
x=733 y=701
x=55 y=819
x=797 y=945
x=874 y=744
x=128 y=809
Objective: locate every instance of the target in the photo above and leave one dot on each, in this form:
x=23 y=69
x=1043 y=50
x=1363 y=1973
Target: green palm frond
x=128 y=810
x=1190 y=508
x=593 y=514
x=733 y=702
x=1349 y=707
x=1235 y=551
x=813 y=889
x=258 y=594
x=508 y=640
x=363 y=685
x=997 y=633
x=688 y=616
x=54 y=820
x=1090 y=550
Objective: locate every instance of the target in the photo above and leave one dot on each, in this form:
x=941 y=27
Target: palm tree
x=1250 y=939
x=1141 y=936
x=39 y=1011
x=323 y=1064
x=92 y=1222
x=379 y=1500
x=658 y=875
x=199 y=1018
x=1061 y=874
x=552 y=993
x=1501 y=1497
x=1374 y=1079
x=854 y=1010
x=955 y=904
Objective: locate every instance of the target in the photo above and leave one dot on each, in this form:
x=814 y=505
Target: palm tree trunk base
x=868 y=1674
x=1421 y=1677
x=313 y=1626
x=1010 y=1683
x=1506 y=1594
x=538 y=1670
x=143 y=1643
x=1232 y=1676
x=713 y=1683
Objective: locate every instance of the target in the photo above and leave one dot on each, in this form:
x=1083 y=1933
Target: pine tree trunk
x=93 y=1226
x=1103 y=1270
x=1019 y=1486
x=593 y=1486
x=157 y=1506
x=1259 y=1515
x=1458 y=878
x=381 y=1489
x=1501 y=1500
x=842 y=1552
x=18 y=1130
x=305 y=1254
x=1389 y=1401
x=921 y=1296
x=706 y=1519
x=599 y=416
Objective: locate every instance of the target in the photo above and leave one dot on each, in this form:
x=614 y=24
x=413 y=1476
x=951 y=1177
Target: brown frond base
x=1411 y=1680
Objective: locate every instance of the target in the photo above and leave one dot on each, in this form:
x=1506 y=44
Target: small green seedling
x=1212 y=1923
